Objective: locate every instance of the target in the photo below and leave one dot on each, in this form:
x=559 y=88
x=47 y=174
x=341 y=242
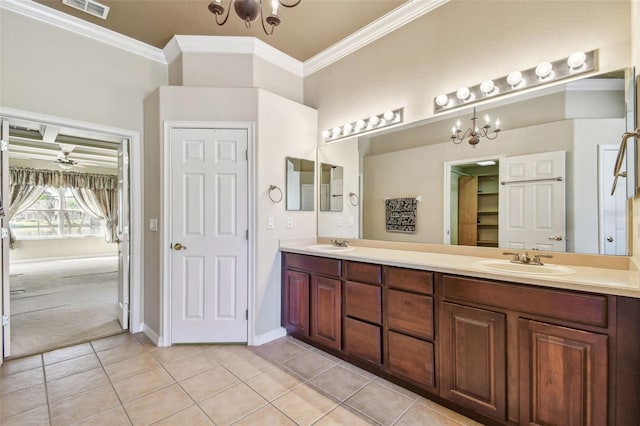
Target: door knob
x=555 y=237
x=610 y=239
x=178 y=246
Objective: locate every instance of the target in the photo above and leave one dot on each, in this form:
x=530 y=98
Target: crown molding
x=233 y=45
x=249 y=45
x=59 y=19
x=393 y=20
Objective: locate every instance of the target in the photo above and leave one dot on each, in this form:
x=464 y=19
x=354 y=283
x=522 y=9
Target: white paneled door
x=612 y=208
x=5 y=341
x=209 y=246
x=532 y=202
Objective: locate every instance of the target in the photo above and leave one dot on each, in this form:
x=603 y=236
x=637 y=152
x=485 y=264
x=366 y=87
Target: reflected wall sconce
x=543 y=73
x=474 y=133
x=364 y=125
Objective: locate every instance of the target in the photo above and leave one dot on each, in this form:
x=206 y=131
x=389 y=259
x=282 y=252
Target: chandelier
x=248 y=11
x=474 y=133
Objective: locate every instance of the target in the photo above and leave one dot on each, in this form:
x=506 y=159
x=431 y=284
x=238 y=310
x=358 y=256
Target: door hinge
x=4 y=233
x=5 y=320
x=4 y=145
x=246 y=155
x=246 y=234
x=246 y=314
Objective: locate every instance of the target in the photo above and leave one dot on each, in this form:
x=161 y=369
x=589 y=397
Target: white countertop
x=597 y=280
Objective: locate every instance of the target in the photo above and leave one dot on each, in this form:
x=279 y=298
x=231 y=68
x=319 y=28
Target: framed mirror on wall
x=584 y=118
x=300 y=184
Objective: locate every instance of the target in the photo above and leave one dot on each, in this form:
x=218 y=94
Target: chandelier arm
x=264 y=27
x=289 y=5
x=226 y=16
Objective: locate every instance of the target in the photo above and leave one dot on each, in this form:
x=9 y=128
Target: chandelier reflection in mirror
x=249 y=10
x=474 y=133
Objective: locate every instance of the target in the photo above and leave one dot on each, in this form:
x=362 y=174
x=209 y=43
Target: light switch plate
x=289 y=222
x=153 y=224
x=271 y=224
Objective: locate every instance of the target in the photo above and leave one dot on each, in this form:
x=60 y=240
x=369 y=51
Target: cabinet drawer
x=363 y=301
x=363 y=340
x=412 y=359
x=410 y=313
x=581 y=308
x=409 y=279
x=363 y=272
x=317 y=265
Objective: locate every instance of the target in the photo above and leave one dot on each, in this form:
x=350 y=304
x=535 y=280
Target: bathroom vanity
x=556 y=346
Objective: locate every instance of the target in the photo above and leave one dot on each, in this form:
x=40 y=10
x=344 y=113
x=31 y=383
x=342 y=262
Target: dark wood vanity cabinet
x=501 y=352
x=312 y=299
x=410 y=325
x=363 y=311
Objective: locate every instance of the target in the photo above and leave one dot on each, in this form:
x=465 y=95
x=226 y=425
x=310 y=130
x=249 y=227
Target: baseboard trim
x=151 y=334
x=268 y=336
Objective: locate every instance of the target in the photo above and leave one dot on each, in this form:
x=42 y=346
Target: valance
x=61 y=179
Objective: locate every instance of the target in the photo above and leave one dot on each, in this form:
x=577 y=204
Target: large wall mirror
x=300 y=184
x=581 y=122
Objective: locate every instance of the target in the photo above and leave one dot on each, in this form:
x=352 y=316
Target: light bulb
x=514 y=78
x=544 y=69
x=576 y=60
x=442 y=100
x=374 y=120
x=360 y=124
x=388 y=115
x=487 y=87
x=274 y=7
x=498 y=124
x=326 y=133
x=463 y=93
x=486 y=119
x=453 y=130
x=336 y=132
x=347 y=128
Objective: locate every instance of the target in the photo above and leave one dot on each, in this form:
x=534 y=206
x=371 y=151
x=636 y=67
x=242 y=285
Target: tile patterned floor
x=124 y=380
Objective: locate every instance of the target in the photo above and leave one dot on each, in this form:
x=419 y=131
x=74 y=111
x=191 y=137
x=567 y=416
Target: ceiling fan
x=63 y=160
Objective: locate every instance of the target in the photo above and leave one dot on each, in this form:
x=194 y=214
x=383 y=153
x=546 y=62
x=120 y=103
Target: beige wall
x=462 y=43
x=48 y=70
x=62 y=248
x=635 y=54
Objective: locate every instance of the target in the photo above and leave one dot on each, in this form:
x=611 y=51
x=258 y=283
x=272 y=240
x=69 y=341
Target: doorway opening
x=471 y=202
x=67 y=216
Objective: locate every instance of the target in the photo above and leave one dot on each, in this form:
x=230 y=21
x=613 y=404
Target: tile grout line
x=46 y=389
x=126 y=413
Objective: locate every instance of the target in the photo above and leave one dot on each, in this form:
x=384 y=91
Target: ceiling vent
x=89 y=6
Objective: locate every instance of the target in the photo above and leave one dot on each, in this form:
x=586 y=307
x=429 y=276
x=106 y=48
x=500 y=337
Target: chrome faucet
x=340 y=243
x=526 y=258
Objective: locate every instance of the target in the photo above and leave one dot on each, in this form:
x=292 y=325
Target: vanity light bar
x=365 y=125
x=544 y=73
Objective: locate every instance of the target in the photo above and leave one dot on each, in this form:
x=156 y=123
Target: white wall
x=61 y=248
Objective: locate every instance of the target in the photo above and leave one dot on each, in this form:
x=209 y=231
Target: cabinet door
x=473 y=358
x=295 y=305
x=326 y=311
x=563 y=375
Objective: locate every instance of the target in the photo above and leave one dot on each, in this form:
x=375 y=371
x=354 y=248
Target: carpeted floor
x=63 y=302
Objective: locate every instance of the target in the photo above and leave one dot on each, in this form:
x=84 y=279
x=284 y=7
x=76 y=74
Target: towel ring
x=353 y=196
x=274 y=188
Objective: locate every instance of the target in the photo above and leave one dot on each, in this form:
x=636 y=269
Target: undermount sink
x=328 y=248
x=500 y=265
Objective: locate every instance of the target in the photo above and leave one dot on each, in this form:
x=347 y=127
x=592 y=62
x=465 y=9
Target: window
x=56 y=214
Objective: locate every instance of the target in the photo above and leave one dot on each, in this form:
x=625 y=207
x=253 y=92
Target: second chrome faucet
x=526 y=258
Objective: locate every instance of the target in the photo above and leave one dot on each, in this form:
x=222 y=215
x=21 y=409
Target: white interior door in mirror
x=612 y=209
x=532 y=210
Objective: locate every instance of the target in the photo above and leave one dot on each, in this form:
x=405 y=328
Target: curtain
x=100 y=204
x=96 y=194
